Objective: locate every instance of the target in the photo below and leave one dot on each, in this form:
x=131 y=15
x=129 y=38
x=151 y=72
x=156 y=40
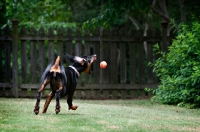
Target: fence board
x=69 y=46
x=86 y=48
x=7 y=55
x=23 y=60
x=41 y=59
x=60 y=44
x=135 y=90
x=105 y=94
x=122 y=58
x=89 y=86
x=115 y=94
x=60 y=50
x=134 y=93
x=51 y=46
x=78 y=94
x=23 y=57
x=15 y=58
x=1 y=62
x=132 y=63
x=78 y=44
x=105 y=57
x=41 y=51
x=92 y=39
x=1 y=92
x=150 y=59
x=133 y=53
x=141 y=62
x=123 y=94
x=7 y=61
x=95 y=66
x=23 y=92
x=33 y=62
x=113 y=77
x=149 y=55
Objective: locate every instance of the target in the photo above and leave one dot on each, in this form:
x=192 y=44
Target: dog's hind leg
x=37 y=105
x=48 y=100
x=57 y=110
x=39 y=94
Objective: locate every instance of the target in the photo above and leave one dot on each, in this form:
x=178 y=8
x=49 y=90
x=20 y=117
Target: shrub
x=179 y=69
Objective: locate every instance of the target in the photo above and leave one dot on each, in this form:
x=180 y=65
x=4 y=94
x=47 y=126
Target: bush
x=179 y=69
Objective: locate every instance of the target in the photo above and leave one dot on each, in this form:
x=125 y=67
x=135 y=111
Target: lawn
x=97 y=116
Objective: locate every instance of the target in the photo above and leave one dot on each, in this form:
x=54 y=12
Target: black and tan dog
x=62 y=80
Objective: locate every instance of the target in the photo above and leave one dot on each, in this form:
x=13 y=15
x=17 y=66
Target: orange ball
x=103 y=64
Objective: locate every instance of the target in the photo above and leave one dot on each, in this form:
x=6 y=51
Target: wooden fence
x=26 y=53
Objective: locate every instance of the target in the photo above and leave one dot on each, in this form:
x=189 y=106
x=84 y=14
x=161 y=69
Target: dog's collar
x=75 y=70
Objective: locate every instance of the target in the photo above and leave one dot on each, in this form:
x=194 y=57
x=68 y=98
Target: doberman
x=62 y=80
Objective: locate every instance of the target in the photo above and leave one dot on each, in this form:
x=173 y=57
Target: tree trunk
x=182 y=10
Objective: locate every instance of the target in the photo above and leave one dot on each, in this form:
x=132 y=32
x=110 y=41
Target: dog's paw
x=73 y=107
x=36 y=110
x=57 y=110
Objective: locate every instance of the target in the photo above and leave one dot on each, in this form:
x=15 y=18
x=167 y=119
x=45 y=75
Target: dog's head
x=83 y=63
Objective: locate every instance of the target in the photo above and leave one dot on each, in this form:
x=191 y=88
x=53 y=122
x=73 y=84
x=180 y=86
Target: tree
x=83 y=10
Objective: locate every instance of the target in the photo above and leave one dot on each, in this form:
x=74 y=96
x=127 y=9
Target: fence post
x=14 y=57
x=164 y=45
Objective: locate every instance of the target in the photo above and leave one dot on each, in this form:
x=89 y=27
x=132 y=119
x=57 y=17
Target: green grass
x=97 y=116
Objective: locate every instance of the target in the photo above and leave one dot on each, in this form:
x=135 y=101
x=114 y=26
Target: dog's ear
x=79 y=60
x=75 y=59
x=70 y=57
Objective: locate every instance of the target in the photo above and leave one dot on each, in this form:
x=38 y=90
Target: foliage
x=38 y=13
x=179 y=69
x=2 y=15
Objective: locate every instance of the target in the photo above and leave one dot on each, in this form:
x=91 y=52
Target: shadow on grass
x=72 y=114
x=60 y=114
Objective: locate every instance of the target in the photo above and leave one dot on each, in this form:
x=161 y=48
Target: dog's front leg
x=37 y=105
x=70 y=105
x=69 y=101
